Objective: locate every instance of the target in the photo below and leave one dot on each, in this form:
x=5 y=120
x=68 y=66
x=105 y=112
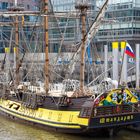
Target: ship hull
x=42 y=126
x=66 y=121
x=61 y=121
x=114 y=120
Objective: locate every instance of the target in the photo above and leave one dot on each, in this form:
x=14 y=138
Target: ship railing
x=88 y=110
x=116 y=109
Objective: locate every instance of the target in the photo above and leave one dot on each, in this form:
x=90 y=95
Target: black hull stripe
x=113 y=125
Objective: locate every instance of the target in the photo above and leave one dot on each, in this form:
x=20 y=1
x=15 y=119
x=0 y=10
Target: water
x=10 y=130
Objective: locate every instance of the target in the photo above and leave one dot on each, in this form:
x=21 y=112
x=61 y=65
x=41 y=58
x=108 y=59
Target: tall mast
x=82 y=6
x=16 y=51
x=46 y=46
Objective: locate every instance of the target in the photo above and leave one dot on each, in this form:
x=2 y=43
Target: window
x=85 y=112
x=109 y=47
x=28 y=7
x=4 y=5
x=55 y=47
x=99 y=49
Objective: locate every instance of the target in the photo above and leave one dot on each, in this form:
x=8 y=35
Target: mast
x=82 y=6
x=16 y=8
x=16 y=51
x=46 y=47
x=91 y=32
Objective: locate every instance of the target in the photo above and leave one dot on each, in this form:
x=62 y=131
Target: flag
x=115 y=45
x=129 y=51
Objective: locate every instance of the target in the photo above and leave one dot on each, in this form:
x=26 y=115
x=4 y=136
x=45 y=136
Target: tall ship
x=75 y=108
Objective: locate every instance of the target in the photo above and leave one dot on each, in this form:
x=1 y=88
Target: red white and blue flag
x=129 y=51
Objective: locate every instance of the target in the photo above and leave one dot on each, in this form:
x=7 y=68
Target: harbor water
x=11 y=130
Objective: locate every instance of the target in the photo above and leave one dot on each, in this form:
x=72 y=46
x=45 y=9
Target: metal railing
x=116 y=109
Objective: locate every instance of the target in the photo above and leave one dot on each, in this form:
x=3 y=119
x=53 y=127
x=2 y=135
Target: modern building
x=63 y=5
x=27 y=4
x=5 y=30
x=122 y=20
x=69 y=5
x=122 y=23
x=63 y=32
x=68 y=27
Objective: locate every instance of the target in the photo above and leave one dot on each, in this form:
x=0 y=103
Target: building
x=5 y=31
x=63 y=5
x=27 y=4
x=69 y=5
x=122 y=23
x=63 y=32
x=122 y=20
x=69 y=27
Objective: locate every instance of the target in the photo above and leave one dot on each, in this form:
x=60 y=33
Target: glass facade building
x=5 y=29
x=69 y=5
x=122 y=22
x=69 y=27
x=63 y=5
x=27 y=4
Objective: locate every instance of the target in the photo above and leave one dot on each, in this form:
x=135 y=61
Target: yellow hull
x=52 y=118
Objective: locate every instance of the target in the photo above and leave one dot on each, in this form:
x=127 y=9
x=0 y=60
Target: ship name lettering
x=116 y=119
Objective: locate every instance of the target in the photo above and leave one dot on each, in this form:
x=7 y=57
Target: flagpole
x=122 y=64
